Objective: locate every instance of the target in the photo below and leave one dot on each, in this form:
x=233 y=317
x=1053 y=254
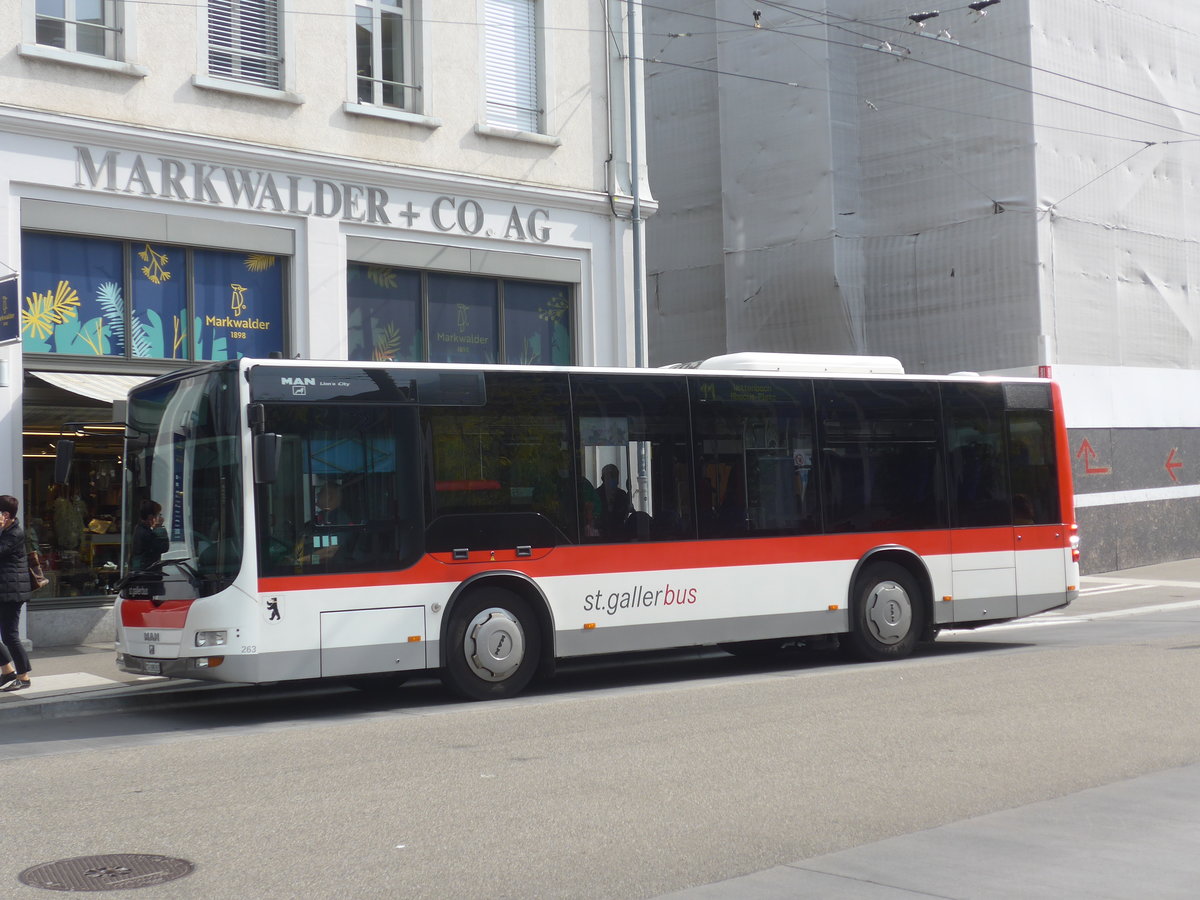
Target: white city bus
x=372 y=520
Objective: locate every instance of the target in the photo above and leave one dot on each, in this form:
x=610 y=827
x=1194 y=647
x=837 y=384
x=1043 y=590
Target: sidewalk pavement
x=84 y=679
x=1124 y=841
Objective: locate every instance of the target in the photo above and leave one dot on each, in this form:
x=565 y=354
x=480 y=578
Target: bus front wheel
x=887 y=613
x=492 y=646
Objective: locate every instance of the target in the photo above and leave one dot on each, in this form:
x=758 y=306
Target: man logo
x=299 y=385
x=150 y=637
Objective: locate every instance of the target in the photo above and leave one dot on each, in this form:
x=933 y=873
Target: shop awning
x=106 y=388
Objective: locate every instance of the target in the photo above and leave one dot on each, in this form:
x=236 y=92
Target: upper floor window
x=244 y=42
x=81 y=26
x=514 y=92
x=385 y=54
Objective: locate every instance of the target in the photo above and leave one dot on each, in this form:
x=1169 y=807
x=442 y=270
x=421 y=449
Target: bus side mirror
x=266 y=457
x=64 y=452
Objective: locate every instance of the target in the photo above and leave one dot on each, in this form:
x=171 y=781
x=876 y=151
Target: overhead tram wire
x=905 y=103
x=1145 y=145
x=804 y=12
x=813 y=15
x=872 y=38
x=1030 y=91
x=951 y=70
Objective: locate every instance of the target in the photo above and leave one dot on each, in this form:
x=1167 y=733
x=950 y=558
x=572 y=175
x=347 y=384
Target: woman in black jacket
x=14 y=592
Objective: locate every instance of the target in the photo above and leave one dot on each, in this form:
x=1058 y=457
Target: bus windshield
x=183 y=452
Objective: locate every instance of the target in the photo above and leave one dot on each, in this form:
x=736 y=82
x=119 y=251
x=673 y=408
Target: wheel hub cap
x=889 y=612
x=494 y=644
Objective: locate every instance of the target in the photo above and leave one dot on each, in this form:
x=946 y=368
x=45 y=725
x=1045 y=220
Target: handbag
x=37 y=580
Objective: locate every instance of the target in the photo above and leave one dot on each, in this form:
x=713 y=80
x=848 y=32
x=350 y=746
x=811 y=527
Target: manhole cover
x=111 y=872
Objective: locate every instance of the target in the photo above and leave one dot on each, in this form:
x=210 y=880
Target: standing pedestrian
x=14 y=592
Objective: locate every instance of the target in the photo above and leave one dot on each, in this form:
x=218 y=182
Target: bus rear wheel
x=887 y=613
x=492 y=646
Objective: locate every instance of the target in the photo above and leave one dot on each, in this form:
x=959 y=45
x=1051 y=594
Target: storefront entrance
x=75 y=526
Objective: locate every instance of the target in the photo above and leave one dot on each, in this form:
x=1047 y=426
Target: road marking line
x=1155 y=583
x=1114 y=589
x=1043 y=619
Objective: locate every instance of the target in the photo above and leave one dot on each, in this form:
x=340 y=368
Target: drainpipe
x=641 y=358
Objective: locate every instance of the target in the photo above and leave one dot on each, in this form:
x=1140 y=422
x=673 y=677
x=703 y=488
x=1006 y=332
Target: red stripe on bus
x=1042 y=537
x=1066 y=488
x=144 y=614
x=659 y=556
x=983 y=540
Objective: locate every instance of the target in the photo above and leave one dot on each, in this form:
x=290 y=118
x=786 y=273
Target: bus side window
x=881 y=450
x=632 y=435
x=498 y=476
x=344 y=497
x=976 y=458
x=754 y=457
x=1032 y=467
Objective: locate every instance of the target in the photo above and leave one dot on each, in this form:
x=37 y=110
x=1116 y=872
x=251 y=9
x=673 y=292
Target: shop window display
x=403 y=315
x=116 y=301
x=74 y=526
x=85 y=296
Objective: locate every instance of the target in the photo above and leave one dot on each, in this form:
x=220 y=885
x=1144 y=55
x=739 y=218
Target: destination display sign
x=359 y=384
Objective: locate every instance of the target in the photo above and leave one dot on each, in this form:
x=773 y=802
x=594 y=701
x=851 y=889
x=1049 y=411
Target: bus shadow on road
x=223 y=709
x=664 y=668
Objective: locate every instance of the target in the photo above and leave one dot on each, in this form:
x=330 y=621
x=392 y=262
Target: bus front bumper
x=187 y=667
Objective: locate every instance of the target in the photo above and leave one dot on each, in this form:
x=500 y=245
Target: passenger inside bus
x=614 y=503
x=589 y=508
x=332 y=530
x=329 y=509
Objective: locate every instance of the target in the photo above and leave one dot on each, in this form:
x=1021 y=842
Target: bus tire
x=887 y=613
x=492 y=645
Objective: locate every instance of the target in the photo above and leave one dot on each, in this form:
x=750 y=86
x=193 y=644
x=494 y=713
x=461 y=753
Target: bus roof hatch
x=801 y=362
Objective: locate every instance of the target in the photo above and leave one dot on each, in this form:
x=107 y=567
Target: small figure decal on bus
x=273 y=608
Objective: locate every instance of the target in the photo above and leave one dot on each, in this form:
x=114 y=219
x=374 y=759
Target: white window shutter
x=511 y=57
x=243 y=41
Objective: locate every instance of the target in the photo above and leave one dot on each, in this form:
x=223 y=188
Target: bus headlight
x=211 y=638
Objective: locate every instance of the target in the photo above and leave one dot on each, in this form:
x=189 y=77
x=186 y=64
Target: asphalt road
x=629 y=780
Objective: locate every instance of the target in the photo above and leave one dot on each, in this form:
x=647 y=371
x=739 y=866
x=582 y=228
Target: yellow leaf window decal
x=43 y=311
x=156 y=265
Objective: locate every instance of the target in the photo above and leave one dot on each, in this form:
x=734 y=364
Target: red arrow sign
x=1088 y=454
x=1172 y=464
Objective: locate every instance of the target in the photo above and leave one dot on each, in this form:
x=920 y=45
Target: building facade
x=333 y=179
x=1005 y=187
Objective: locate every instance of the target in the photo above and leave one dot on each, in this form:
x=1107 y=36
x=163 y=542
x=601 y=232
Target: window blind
x=243 y=41
x=511 y=59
